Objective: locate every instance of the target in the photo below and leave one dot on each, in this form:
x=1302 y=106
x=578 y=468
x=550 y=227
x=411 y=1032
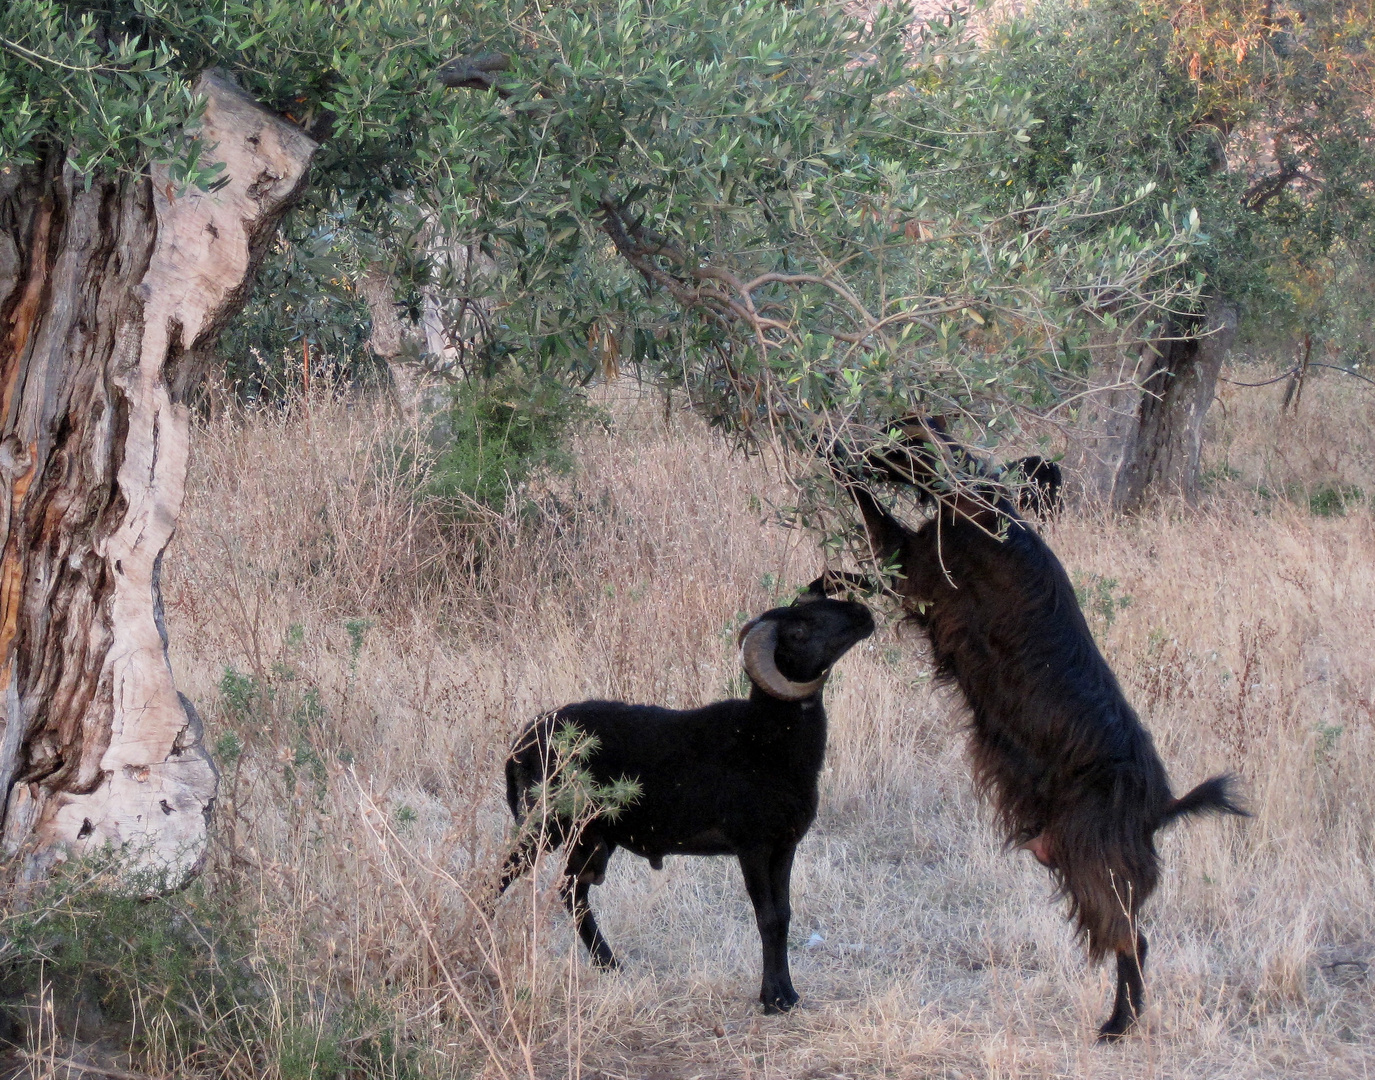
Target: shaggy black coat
x=1073 y=776
x=734 y=778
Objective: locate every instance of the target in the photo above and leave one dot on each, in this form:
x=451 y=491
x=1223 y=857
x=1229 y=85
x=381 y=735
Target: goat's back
x=710 y=778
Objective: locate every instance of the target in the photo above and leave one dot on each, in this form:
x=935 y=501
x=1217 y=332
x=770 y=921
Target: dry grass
x=367 y=805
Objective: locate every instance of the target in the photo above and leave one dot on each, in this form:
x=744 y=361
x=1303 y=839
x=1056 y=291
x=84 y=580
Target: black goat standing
x=1074 y=777
x=734 y=778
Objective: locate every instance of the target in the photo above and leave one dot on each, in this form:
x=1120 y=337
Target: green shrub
x=179 y=965
x=1098 y=597
x=309 y=1053
x=181 y=980
x=495 y=434
x=1333 y=500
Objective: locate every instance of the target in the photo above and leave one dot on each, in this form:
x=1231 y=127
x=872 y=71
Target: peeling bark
x=111 y=294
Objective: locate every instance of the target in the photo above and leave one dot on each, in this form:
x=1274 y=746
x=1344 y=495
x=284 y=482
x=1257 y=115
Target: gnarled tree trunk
x=1144 y=425
x=109 y=294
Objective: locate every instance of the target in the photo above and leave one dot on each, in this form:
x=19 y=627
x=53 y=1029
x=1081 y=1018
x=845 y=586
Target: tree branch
x=1265 y=189
x=474 y=72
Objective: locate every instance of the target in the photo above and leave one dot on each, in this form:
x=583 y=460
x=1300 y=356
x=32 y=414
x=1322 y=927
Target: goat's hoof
x=1116 y=1029
x=781 y=1002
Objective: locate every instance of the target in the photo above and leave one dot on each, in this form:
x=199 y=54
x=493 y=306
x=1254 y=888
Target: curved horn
x=758 y=639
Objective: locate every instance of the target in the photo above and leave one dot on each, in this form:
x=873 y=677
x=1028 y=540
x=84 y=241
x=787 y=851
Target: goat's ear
x=815 y=591
x=887 y=535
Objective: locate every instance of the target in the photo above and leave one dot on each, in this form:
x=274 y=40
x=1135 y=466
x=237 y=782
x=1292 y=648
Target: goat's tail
x=1215 y=795
x=514 y=783
x=531 y=837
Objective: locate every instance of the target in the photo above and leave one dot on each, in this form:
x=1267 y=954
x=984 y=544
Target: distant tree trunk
x=109 y=295
x=1146 y=420
x=401 y=344
x=388 y=339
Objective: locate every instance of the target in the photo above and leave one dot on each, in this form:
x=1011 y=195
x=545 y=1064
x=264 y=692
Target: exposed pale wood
x=378 y=289
x=388 y=339
x=134 y=280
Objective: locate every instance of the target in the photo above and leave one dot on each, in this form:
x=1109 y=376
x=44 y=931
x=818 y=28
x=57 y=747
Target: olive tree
x=800 y=217
x=1258 y=117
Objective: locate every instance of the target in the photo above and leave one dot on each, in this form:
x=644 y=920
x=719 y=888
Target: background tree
x=1257 y=115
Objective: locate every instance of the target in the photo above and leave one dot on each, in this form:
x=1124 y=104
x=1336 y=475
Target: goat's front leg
x=1130 y=992
x=767 y=874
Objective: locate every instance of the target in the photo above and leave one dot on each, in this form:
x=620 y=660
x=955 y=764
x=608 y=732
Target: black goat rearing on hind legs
x=1073 y=776
x=734 y=778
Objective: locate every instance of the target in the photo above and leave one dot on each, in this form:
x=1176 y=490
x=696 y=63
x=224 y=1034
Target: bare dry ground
x=373 y=665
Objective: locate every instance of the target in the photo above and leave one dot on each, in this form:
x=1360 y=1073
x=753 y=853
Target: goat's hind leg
x=1130 y=992
x=521 y=858
x=586 y=867
x=546 y=836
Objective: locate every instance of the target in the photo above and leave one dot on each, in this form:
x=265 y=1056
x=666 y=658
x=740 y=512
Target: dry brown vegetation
x=381 y=662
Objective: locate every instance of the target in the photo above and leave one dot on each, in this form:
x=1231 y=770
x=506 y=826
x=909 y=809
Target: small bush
x=180 y=982
x=1333 y=500
x=308 y=1053
x=1098 y=597
x=495 y=434
x=178 y=966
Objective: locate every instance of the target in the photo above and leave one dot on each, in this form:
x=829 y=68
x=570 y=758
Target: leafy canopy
x=814 y=224
x=1258 y=115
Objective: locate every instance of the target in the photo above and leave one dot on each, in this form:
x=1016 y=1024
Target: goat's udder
x=1039 y=846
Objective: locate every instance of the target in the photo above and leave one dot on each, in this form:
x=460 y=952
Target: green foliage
x=1326 y=737
x=309 y=1053
x=303 y=318
x=1337 y=302
x=181 y=973
x=241 y=693
x=570 y=792
x=228 y=748
x=306 y=762
x=1097 y=595
x=821 y=244
x=1256 y=118
x=1333 y=500
x=284 y=710
x=99 y=84
x=356 y=629
x=495 y=434
x=1112 y=99
x=812 y=223
x=176 y=962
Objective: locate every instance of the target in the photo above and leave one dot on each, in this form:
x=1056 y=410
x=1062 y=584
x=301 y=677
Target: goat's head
x=788 y=651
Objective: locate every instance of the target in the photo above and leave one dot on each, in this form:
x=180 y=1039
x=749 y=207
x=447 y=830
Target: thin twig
x=1293 y=370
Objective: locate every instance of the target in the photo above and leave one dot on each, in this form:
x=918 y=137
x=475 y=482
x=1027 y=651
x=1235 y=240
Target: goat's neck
x=772 y=715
